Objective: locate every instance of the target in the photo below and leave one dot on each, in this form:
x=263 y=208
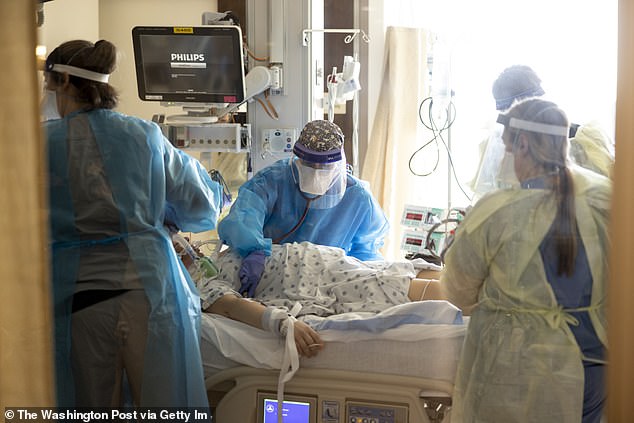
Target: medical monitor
x=201 y=64
x=295 y=409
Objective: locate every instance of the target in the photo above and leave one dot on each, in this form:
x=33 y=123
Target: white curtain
x=396 y=130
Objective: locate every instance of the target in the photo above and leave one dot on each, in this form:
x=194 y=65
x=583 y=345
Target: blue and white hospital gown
x=322 y=279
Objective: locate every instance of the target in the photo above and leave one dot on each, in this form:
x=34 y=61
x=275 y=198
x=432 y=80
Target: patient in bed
x=308 y=280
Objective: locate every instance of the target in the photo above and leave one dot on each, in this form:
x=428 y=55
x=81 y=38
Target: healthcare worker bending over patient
x=123 y=301
x=531 y=264
x=309 y=197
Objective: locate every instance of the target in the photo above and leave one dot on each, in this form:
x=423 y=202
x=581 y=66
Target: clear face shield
x=323 y=181
x=316 y=178
x=496 y=169
x=530 y=126
x=506 y=177
x=48 y=106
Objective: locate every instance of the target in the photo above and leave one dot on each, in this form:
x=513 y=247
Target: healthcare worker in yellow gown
x=530 y=264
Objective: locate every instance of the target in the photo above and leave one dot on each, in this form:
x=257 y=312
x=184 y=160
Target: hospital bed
x=402 y=374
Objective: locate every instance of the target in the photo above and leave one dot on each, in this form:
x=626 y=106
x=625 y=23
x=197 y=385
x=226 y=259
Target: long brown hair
x=551 y=152
x=100 y=57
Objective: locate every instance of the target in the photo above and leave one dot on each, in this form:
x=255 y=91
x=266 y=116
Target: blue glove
x=251 y=272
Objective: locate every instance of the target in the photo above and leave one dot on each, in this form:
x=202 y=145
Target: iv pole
x=352 y=36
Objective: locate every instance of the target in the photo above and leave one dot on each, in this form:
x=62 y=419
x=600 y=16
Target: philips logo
x=188 y=57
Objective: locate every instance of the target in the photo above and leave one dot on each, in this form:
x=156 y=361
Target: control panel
x=223 y=137
x=330 y=411
x=278 y=140
x=368 y=412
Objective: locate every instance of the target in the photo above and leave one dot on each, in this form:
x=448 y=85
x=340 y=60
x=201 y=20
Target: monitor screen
x=201 y=64
x=295 y=408
x=292 y=411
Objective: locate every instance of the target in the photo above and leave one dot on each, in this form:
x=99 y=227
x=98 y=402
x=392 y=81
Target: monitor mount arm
x=257 y=81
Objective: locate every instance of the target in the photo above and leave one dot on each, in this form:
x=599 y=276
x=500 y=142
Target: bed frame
x=340 y=396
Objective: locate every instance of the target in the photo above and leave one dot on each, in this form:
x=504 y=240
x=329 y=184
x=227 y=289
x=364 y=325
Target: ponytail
x=565 y=224
x=549 y=150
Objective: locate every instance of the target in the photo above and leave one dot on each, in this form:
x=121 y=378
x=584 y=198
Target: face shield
x=48 y=106
x=527 y=125
x=507 y=166
x=316 y=178
x=320 y=175
x=496 y=168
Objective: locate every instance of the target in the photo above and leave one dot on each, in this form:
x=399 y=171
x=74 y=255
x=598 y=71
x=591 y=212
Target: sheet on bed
x=418 y=338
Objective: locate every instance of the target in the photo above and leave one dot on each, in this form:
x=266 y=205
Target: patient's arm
x=237 y=308
x=250 y=312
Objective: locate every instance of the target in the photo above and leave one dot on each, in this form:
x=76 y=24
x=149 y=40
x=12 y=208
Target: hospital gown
x=322 y=279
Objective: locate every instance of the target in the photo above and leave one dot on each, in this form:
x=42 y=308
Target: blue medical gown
x=148 y=179
x=270 y=204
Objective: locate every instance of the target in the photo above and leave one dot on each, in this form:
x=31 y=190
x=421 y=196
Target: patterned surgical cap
x=321 y=135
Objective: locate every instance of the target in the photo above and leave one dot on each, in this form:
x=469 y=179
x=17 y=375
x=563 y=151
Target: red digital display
x=414 y=216
x=414 y=241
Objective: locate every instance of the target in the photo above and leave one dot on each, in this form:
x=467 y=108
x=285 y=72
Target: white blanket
x=227 y=343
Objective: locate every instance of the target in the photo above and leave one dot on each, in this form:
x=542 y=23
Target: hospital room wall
x=68 y=20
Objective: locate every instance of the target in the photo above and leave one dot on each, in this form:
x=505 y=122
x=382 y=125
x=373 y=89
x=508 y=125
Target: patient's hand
x=307 y=340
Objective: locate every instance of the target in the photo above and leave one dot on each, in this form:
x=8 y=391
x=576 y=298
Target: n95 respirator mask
x=317 y=179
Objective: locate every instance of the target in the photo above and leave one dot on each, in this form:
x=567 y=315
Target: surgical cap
x=320 y=141
x=516 y=82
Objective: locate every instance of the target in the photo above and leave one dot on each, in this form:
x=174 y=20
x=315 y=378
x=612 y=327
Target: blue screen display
x=292 y=411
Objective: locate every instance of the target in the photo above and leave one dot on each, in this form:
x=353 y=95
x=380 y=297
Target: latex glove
x=251 y=272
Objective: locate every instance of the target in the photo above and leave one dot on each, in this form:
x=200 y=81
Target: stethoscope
x=309 y=200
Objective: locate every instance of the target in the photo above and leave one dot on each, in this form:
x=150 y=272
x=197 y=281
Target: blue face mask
x=48 y=107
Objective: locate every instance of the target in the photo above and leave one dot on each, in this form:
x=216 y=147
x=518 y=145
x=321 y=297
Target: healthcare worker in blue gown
x=122 y=300
x=309 y=197
x=530 y=263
